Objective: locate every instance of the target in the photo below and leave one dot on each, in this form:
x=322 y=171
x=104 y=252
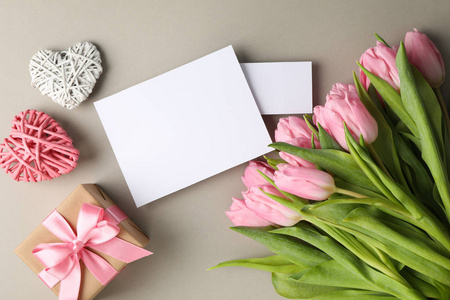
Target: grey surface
x=142 y=39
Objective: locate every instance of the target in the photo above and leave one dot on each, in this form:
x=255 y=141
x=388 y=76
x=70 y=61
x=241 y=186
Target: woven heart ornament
x=67 y=77
x=37 y=148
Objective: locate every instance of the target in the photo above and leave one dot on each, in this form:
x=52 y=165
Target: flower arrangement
x=358 y=204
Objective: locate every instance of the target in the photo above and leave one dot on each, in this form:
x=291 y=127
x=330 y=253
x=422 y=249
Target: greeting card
x=184 y=126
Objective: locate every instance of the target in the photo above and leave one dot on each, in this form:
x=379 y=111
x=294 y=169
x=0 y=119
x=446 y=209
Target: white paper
x=184 y=126
x=281 y=87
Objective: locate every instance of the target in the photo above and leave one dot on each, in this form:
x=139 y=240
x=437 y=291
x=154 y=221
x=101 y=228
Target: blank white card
x=184 y=126
x=281 y=87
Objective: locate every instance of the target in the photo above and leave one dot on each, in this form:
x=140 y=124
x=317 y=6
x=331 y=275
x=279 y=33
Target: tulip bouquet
x=357 y=206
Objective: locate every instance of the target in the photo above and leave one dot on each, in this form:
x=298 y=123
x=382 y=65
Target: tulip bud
x=380 y=61
x=295 y=131
x=307 y=183
x=240 y=215
x=343 y=105
x=424 y=55
x=268 y=209
x=253 y=178
x=290 y=128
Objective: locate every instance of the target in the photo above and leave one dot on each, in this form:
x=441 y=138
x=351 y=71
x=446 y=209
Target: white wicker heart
x=67 y=77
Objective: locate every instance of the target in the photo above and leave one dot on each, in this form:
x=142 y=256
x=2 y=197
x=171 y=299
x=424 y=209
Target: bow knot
x=77 y=246
x=62 y=260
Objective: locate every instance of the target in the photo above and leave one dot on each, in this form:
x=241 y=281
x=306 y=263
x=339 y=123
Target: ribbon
x=94 y=230
x=115 y=215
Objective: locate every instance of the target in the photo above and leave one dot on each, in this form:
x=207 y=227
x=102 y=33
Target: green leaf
x=446 y=144
x=376 y=202
x=412 y=138
x=335 y=216
x=413 y=233
x=392 y=98
x=326 y=140
x=444 y=290
x=431 y=105
x=336 y=211
x=401 y=194
x=283 y=201
x=274 y=263
x=412 y=252
x=384 y=144
x=296 y=290
x=374 y=96
x=308 y=120
x=273 y=162
x=423 y=287
x=362 y=143
x=332 y=161
x=374 y=279
x=393 y=265
x=331 y=273
x=380 y=39
x=289 y=248
x=366 y=164
x=437 y=199
x=355 y=295
x=429 y=146
x=422 y=183
x=421 y=217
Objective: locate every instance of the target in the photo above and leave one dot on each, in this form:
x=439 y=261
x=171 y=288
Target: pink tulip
x=380 y=60
x=240 y=215
x=424 y=55
x=307 y=183
x=290 y=128
x=253 y=178
x=343 y=105
x=268 y=209
x=295 y=131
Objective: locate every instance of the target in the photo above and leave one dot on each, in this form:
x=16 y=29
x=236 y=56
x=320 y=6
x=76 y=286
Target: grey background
x=142 y=39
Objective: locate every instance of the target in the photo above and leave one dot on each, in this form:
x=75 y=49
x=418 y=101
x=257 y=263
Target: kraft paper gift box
x=69 y=209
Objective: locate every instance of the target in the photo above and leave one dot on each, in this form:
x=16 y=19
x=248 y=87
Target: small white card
x=184 y=126
x=281 y=87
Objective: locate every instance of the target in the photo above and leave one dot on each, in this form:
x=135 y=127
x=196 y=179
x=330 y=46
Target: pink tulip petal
x=332 y=122
x=269 y=209
x=343 y=105
x=240 y=215
x=424 y=55
x=237 y=204
x=380 y=60
x=266 y=212
x=245 y=217
x=290 y=128
x=307 y=183
x=253 y=178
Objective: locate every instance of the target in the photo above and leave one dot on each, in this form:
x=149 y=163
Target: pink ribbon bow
x=62 y=260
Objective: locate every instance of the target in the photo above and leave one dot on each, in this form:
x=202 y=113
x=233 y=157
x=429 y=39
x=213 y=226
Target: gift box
x=89 y=228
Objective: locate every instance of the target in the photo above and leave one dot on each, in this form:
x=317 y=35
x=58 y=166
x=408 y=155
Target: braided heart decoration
x=37 y=148
x=67 y=77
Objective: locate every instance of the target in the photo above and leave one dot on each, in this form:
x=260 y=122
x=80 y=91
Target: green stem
x=437 y=91
x=349 y=193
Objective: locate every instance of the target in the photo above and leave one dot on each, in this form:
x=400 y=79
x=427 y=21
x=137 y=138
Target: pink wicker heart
x=37 y=148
